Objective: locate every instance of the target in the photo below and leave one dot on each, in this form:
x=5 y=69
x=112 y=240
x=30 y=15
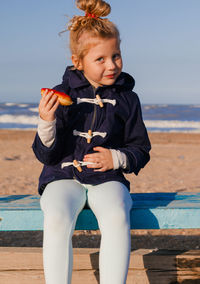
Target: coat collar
x=76 y=79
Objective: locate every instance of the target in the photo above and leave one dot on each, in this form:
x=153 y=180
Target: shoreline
x=152 y=134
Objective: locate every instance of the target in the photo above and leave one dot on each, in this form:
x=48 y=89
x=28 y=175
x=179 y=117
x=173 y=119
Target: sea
x=157 y=117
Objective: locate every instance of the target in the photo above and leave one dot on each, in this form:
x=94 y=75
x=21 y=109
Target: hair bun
x=97 y=7
x=92 y=24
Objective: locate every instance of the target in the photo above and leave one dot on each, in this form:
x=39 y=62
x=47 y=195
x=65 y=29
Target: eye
x=100 y=59
x=116 y=56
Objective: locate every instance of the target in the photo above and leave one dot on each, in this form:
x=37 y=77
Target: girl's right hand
x=48 y=105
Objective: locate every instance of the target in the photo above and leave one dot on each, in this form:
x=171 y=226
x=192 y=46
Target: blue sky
x=160 y=47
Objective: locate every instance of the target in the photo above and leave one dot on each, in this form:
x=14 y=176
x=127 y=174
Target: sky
x=160 y=47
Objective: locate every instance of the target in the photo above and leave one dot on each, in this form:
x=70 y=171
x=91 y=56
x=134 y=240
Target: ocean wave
x=19 y=119
x=16 y=104
x=172 y=124
x=155 y=106
x=10 y=104
x=34 y=109
x=22 y=105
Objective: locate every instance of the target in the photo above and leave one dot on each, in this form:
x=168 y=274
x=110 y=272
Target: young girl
x=86 y=147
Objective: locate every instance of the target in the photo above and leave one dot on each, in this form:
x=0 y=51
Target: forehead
x=90 y=37
x=99 y=45
x=88 y=40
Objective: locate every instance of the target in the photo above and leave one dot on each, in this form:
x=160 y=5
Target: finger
x=42 y=97
x=91 y=157
x=51 y=102
x=55 y=105
x=100 y=149
x=48 y=97
x=47 y=110
x=44 y=93
x=93 y=165
x=102 y=169
x=45 y=98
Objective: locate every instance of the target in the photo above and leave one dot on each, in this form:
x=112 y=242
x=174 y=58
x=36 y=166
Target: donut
x=63 y=98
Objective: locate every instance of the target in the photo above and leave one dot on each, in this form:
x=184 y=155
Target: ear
x=77 y=62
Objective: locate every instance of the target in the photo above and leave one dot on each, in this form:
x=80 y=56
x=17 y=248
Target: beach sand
x=174 y=167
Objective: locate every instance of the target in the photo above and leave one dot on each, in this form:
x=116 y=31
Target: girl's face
x=103 y=63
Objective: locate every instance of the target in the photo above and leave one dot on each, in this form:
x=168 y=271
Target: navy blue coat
x=122 y=122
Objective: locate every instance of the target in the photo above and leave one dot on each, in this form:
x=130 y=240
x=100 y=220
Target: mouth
x=110 y=76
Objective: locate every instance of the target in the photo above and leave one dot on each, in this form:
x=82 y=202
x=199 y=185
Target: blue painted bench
x=149 y=211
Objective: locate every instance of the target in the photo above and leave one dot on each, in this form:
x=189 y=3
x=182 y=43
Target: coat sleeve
x=53 y=154
x=136 y=140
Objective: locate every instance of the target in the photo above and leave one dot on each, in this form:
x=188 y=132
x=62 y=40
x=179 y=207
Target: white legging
x=61 y=203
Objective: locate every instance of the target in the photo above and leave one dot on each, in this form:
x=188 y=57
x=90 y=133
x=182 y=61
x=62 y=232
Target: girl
x=86 y=147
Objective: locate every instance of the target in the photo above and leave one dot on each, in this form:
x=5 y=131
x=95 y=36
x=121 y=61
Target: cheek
x=120 y=64
x=96 y=71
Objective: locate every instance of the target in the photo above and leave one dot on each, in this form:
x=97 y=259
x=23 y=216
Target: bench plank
x=24 y=265
x=30 y=258
x=91 y=276
x=149 y=211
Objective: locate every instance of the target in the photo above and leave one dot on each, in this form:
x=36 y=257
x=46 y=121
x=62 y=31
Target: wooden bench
x=149 y=211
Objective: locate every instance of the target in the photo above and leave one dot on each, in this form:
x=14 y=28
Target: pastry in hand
x=63 y=98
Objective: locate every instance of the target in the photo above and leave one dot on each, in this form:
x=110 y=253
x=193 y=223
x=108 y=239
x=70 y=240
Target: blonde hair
x=92 y=25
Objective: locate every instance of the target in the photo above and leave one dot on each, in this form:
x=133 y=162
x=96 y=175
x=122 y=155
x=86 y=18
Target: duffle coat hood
x=117 y=125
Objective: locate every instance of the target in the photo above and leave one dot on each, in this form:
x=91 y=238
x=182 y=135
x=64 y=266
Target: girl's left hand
x=102 y=160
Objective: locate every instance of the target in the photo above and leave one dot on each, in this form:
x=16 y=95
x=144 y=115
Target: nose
x=111 y=64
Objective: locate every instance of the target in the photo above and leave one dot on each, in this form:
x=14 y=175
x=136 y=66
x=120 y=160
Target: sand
x=174 y=167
